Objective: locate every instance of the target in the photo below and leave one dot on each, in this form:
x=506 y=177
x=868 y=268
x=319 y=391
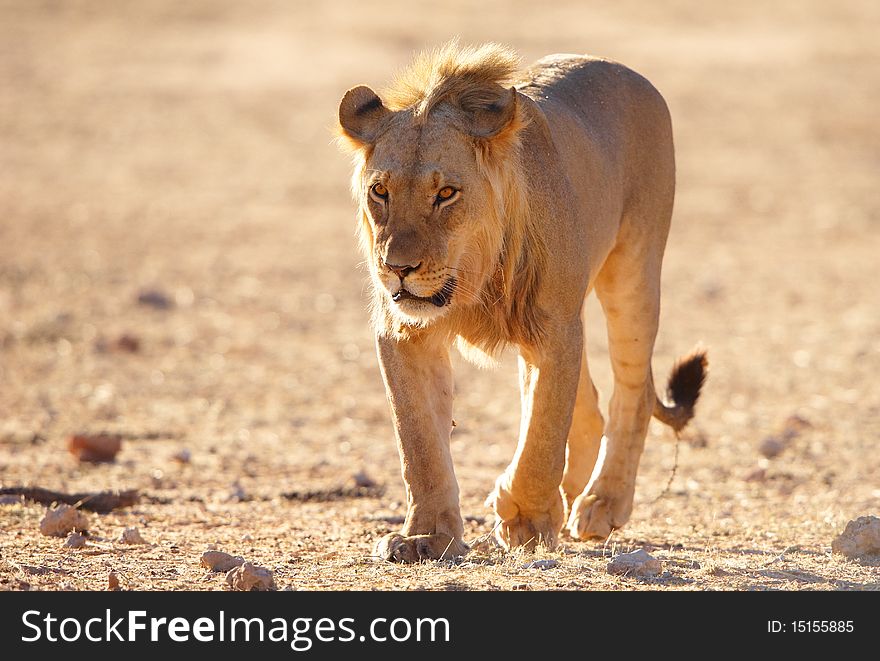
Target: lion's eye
x=446 y=193
x=378 y=190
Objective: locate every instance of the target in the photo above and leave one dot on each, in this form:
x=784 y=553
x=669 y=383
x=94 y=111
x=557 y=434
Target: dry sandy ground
x=185 y=147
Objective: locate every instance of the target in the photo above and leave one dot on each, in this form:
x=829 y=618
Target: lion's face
x=431 y=226
x=426 y=209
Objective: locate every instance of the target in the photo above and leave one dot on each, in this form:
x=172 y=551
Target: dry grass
x=186 y=147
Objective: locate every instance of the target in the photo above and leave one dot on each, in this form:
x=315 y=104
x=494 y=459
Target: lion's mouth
x=440 y=298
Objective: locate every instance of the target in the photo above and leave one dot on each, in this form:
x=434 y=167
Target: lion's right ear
x=361 y=116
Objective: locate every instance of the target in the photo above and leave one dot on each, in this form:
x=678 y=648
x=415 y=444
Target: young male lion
x=490 y=204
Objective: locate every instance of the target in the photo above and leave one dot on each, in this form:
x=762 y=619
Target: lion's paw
x=594 y=517
x=517 y=526
x=416 y=548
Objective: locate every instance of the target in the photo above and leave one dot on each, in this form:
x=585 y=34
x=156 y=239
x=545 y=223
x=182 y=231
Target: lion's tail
x=683 y=389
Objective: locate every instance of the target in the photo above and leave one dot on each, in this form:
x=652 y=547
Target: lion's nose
x=402 y=270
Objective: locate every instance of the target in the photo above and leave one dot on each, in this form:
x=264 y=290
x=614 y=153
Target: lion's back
x=595 y=88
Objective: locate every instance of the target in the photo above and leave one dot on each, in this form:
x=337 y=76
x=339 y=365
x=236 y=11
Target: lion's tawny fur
x=490 y=203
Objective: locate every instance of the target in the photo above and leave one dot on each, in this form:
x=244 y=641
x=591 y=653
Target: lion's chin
x=440 y=298
x=421 y=310
x=417 y=311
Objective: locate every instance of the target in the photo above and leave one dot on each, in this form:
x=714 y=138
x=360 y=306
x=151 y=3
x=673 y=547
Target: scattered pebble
x=112 y=582
x=94 y=448
x=771 y=447
x=541 y=564
x=10 y=499
x=756 y=475
x=775 y=444
x=126 y=343
x=184 y=456
x=132 y=536
x=236 y=494
x=62 y=520
x=248 y=577
x=636 y=563
x=75 y=541
x=361 y=479
x=697 y=438
x=219 y=561
x=794 y=425
x=712 y=291
x=155 y=298
x=860 y=538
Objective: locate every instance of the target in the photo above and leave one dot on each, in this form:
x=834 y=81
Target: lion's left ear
x=495 y=117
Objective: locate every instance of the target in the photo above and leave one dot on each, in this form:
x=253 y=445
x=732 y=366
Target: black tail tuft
x=683 y=389
x=687 y=378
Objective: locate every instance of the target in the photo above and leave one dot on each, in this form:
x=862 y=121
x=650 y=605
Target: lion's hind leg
x=628 y=288
x=584 y=437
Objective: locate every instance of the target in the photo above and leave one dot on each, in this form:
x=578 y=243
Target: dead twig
x=779 y=558
x=338 y=493
x=483 y=539
x=98 y=501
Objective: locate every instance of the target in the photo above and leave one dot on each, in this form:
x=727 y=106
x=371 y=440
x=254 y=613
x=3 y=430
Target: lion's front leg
x=418 y=380
x=527 y=498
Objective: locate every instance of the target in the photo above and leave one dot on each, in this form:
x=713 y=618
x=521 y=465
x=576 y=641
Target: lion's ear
x=361 y=114
x=492 y=118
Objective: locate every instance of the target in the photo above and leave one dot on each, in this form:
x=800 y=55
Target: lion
x=490 y=204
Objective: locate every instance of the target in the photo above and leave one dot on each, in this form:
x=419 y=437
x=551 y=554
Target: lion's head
x=442 y=202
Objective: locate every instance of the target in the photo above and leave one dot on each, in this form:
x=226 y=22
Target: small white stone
x=771 y=447
x=219 y=561
x=248 y=577
x=132 y=536
x=62 y=520
x=860 y=538
x=75 y=541
x=184 y=456
x=637 y=563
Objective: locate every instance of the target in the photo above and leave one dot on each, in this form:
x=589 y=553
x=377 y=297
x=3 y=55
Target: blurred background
x=178 y=262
